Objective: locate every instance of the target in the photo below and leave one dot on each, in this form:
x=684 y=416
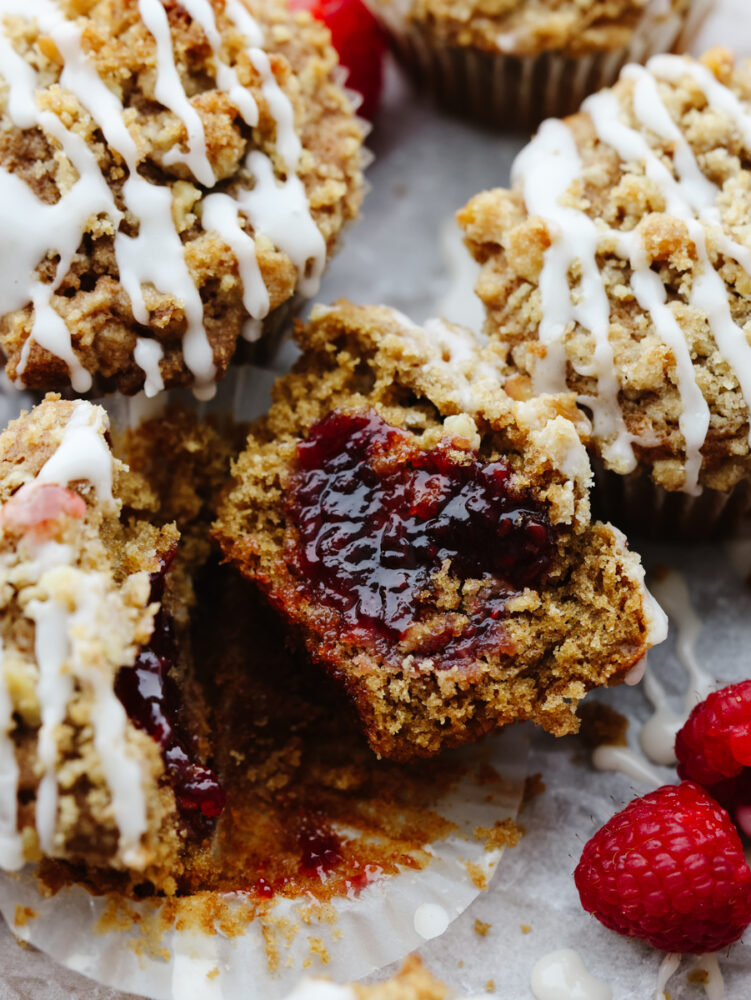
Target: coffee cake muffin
x=103 y=725
x=619 y=266
x=514 y=62
x=173 y=177
x=428 y=539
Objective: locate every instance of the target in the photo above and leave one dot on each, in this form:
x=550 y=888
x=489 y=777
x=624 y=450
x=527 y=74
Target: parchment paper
x=427 y=165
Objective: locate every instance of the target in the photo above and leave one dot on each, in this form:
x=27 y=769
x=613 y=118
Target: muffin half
x=428 y=539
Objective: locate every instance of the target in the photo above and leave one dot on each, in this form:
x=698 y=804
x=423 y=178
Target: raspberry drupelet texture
x=669 y=869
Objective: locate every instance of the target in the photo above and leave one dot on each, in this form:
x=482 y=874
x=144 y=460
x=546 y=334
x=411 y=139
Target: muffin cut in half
x=102 y=725
x=619 y=267
x=173 y=177
x=428 y=539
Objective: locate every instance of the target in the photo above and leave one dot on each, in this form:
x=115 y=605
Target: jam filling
x=378 y=518
x=152 y=700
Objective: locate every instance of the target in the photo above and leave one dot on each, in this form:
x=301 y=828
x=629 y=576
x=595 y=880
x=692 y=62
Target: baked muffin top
x=528 y=27
x=619 y=266
x=170 y=175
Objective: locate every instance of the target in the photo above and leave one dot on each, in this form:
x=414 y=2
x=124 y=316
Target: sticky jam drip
x=378 y=518
x=152 y=700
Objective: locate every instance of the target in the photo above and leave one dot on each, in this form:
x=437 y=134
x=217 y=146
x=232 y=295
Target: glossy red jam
x=153 y=702
x=378 y=517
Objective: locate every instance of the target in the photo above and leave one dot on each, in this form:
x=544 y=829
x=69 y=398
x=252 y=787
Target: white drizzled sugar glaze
x=277 y=209
x=72 y=609
x=546 y=171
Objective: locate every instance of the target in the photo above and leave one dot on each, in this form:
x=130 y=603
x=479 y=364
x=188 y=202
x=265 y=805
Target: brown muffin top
x=171 y=175
x=365 y=509
x=619 y=266
x=528 y=27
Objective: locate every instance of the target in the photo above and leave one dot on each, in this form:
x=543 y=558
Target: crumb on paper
x=526 y=928
x=482 y=928
x=699 y=976
x=213 y=973
x=478 y=875
x=490 y=986
x=23 y=915
x=460 y=964
x=23 y=944
x=533 y=786
x=601 y=724
x=503 y=833
x=318 y=948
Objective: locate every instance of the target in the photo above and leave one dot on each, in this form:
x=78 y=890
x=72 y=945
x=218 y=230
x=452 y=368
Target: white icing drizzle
x=549 y=166
x=154 y=258
x=11 y=845
x=562 y=975
x=668 y=967
x=609 y=757
x=147 y=354
x=714 y=987
x=68 y=629
x=657 y=736
x=636 y=673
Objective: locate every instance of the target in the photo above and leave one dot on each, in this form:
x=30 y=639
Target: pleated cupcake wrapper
x=386 y=921
x=518 y=92
x=639 y=506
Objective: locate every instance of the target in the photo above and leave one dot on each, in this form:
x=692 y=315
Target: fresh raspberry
x=359 y=41
x=714 y=747
x=669 y=868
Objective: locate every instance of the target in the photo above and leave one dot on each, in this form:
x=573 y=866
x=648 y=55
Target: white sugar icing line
x=11 y=845
x=657 y=736
x=668 y=967
x=82 y=453
x=155 y=257
x=714 y=986
x=562 y=975
x=546 y=170
x=609 y=757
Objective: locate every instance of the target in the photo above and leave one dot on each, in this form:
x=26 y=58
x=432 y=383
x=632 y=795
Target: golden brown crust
x=511 y=244
x=90 y=298
x=585 y=626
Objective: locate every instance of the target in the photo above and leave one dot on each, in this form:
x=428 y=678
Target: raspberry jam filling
x=153 y=702
x=378 y=517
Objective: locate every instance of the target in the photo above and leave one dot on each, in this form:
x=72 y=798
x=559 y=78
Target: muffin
x=428 y=540
x=103 y=725
x=516 y=62
x=618 y=266
x=174 y=178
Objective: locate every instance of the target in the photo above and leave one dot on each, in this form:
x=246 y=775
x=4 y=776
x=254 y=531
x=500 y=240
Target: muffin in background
x=174 y=178
x=512 y=63
x=619 y=266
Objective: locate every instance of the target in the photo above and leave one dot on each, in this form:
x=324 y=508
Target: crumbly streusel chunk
x=428 y=539
x=150 y=163
x=622 y=269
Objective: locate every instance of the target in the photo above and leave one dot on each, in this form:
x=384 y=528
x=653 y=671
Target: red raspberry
x=714 y=746
x=358 y=39
x=669 y=868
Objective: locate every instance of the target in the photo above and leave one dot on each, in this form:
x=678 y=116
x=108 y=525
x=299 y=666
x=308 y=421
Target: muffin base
x=639 y=506
x=518 y=92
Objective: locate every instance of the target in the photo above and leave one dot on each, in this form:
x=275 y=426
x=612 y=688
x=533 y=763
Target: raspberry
x=714 y=746
x=669 y=869
x=358 y=40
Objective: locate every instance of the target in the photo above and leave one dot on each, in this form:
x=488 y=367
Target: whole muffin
x=619 y=266
x=514 y=62
x=172 y=177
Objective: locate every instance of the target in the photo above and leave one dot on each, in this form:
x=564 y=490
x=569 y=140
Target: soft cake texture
x=668 y=172
x=166 y=341
x=585 y=623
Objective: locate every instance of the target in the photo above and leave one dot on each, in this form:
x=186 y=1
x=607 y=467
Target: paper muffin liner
x=638 y=505
x=518 y=92
x=236 y=958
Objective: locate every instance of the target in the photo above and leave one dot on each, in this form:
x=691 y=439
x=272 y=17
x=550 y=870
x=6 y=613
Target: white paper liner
x=387 y=921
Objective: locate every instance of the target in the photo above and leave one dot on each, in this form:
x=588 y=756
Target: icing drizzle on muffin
x=277 y=209
x=548 y=167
